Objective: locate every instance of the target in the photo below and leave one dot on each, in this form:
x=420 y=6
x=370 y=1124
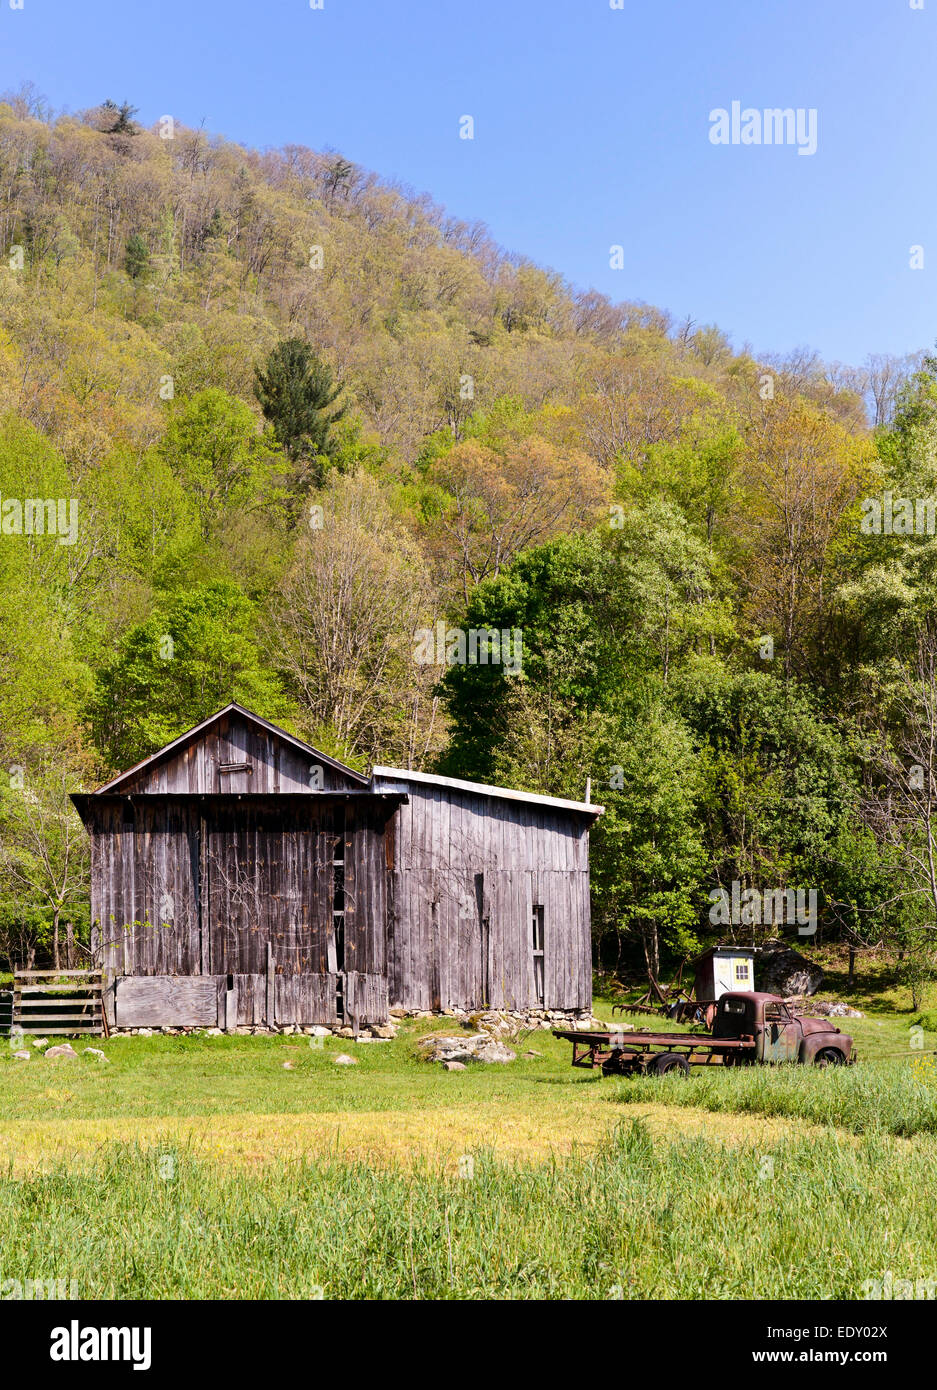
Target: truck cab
x=777 y=1035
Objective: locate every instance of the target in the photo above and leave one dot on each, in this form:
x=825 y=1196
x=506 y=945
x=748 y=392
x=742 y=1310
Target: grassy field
x=205 y=1167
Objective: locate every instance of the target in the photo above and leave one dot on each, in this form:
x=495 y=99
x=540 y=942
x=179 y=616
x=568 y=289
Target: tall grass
x=810 y=1219
x=889 y=1098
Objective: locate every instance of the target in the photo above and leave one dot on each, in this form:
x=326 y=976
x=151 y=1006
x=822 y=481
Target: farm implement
x=748 y=1029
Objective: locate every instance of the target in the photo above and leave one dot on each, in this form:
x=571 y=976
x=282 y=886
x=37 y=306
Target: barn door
x=265 y=883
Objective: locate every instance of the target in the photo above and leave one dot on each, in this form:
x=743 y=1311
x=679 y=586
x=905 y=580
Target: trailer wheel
x=666 y=1062
x=829 y=1057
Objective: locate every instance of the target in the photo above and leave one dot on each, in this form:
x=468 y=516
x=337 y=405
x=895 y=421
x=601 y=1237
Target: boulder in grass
x=448 y=1049
x=40 y=1043
x=63 y=1050
x=454 y=1066
x=343 y=1060
x=494 y=1052
x=479 y=1047
x=94 y=1052
x=779 y=969
x=23 y=1056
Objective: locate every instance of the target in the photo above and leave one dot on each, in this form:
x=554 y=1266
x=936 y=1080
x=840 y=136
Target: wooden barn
x=241 y=877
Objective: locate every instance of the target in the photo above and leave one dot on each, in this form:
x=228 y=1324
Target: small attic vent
x=235 y=767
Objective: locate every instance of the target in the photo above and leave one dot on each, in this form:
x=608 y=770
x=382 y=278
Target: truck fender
x=813 y=1043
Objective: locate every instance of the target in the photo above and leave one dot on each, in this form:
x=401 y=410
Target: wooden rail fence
x=57 y=1001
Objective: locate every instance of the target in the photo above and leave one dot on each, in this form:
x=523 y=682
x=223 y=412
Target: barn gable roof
x=397 y=774
x=124 y=781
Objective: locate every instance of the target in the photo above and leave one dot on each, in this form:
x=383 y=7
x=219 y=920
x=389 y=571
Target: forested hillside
x=300 y=414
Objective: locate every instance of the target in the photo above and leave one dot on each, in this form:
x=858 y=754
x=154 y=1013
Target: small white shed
x=723 y=970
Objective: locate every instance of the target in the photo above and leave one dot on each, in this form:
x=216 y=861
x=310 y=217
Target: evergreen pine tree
x=296 y=390
x=136 y=256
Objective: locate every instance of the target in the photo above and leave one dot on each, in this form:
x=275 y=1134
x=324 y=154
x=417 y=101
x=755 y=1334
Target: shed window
x=741 y=969
x=537 y=938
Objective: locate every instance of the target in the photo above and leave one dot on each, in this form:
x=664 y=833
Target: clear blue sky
x=591 y=129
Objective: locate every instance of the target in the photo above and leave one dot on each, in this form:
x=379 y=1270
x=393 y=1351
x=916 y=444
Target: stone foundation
x=503 y=1022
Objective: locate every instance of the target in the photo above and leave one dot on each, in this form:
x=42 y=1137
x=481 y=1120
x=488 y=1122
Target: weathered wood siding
x=204 y=886
x=464 y=873
x=226 y=1001
x=275 y=765
x=166 y=1001
x=271 y=878
x=145 y=888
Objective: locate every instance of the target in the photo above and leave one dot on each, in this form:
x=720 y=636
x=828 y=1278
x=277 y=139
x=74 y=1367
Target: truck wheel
x=829 y=1057
x=666 y=1062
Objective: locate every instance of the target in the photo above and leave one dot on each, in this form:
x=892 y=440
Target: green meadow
x=255 y=1167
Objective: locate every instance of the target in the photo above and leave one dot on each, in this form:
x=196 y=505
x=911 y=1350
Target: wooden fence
x=57 y=1001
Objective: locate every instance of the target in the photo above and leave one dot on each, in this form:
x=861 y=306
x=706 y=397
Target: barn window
x=128 y=821
x=741 y=970
x=537 y=935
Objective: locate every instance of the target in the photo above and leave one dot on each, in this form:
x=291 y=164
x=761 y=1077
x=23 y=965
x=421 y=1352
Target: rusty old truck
x=748 y=1028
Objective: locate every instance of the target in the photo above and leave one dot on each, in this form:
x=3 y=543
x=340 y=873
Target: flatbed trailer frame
x=639 y=1052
